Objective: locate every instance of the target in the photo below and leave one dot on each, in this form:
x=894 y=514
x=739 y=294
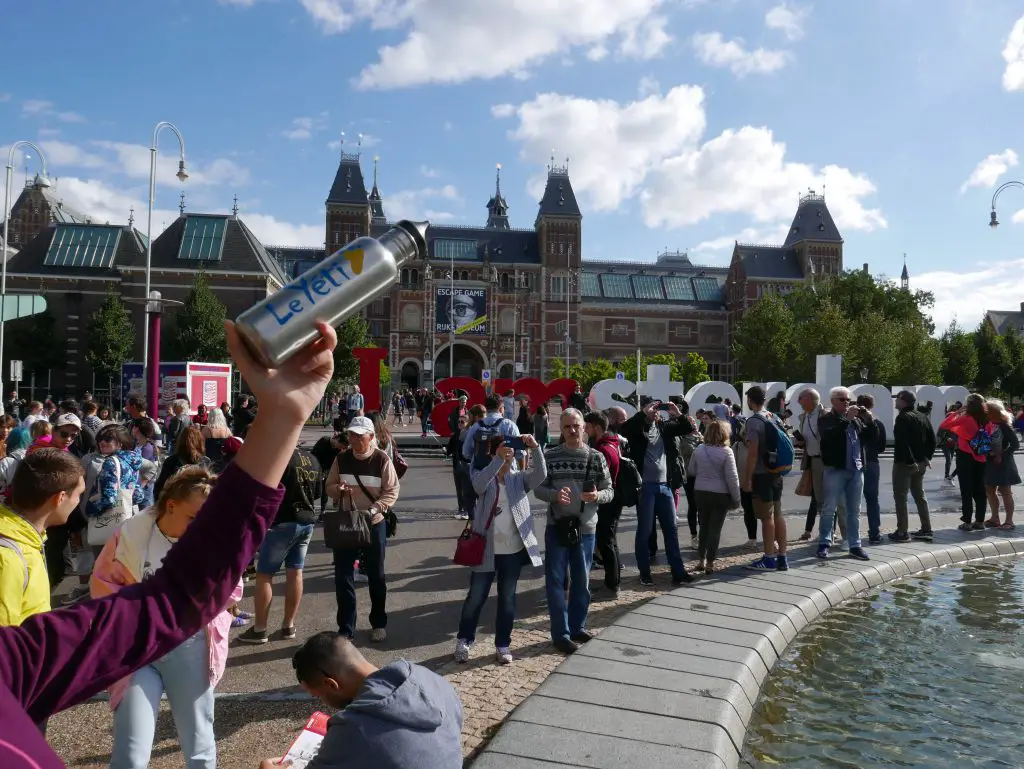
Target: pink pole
x=153 y=364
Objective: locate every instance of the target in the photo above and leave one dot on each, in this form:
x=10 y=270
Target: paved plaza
x=260 y=707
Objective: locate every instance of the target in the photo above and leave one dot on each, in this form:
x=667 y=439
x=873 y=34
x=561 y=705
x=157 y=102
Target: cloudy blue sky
x=688 y=124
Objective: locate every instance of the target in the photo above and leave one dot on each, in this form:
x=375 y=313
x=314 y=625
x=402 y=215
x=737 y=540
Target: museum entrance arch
x=469 y=361
x=410 y=375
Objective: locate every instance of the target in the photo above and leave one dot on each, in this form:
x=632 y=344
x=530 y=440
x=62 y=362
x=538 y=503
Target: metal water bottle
x=332 y=291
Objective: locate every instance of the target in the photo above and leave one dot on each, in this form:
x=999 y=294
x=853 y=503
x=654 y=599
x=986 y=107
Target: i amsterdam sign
x=658 y=385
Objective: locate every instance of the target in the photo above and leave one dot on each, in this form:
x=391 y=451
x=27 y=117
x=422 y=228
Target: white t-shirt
x=157 y=548
x=506 y=534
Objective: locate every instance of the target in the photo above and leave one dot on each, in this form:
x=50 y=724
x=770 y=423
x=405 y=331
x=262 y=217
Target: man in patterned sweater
x=577 y=482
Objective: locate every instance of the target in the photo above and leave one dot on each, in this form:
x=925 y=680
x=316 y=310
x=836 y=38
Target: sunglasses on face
x=69 y=434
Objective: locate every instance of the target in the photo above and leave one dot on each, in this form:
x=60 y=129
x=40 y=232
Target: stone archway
x=469 y=361
x=410 y=374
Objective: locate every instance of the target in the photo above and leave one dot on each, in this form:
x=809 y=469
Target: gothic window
x=559 y=287
x=503 y=281
x=415 y=278
x=405 y=278
x=412 y=318
x=336 y=236
x=507 y=321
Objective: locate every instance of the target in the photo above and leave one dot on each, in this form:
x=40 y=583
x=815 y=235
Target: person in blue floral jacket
x=114 y=443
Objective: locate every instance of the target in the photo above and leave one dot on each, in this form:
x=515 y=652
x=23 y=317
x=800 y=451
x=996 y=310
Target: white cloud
x=303 y=128
x=648 y=85
x=1013 y=54
x=452 y=41
x=60 y=153
x=715 y=51
x=772 y=235
x=105 y=203
x=430 y=173
x=968 y=295
x=614 y=146
x=1018 y=218
x=431 y=203
x=273 y=232
x=787 y=19
x=988 y=171
x=132 y=160
x=652 y=149
x=40 y=108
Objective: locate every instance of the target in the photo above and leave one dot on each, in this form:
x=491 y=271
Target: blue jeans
x=558 y=560
x=184 y=674
x=285 y=543
x=847 y=485
x=507 y=568
x=372 y=565
x=657 y=502
x=872 y=472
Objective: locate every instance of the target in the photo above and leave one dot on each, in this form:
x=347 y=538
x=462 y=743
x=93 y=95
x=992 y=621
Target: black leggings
x=971 y=476
x=749 y=518
x=691 y=506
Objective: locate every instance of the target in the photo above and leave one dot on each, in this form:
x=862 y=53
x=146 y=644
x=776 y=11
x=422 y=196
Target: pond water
x=924 y=672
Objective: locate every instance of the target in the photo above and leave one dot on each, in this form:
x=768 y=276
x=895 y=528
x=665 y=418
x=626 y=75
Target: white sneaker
x=462 y=651
x=695 y=542
x=360 y=577
x=503 y=655
x=844 y=545
x=379 y=635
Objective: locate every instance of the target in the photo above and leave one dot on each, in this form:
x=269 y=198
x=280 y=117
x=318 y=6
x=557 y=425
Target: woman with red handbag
x=499 y=542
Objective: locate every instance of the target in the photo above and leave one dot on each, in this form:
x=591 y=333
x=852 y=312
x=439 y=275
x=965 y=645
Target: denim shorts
x=286 y=544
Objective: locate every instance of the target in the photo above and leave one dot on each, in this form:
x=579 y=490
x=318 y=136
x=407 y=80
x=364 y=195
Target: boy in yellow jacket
x=45 y=490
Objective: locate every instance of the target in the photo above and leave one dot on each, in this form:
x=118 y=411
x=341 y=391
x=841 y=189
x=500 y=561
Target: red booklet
x=307 y=744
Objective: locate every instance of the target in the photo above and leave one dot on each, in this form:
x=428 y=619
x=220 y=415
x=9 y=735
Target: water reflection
x=926 y=672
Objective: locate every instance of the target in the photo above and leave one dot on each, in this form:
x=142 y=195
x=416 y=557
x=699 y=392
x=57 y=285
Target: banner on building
x=463 y=308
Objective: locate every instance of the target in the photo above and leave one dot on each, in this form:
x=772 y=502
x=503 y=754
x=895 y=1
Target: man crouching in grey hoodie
x=394 y=717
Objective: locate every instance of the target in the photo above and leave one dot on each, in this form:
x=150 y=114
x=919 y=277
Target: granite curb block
x=674 y=682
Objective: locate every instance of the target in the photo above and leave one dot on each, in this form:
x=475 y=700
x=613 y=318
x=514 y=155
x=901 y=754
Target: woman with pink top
x=966 y=425
x=1001 y=473
x=187 y=674
x=61 y=658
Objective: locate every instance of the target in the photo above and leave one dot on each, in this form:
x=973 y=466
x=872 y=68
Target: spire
x=559 y=198
x=348 y=188
x=131 y=217
x=234 y=208
x=497 y=206
x=813 y=222
x=181 y=205
x=376 y=201
x=905 y=276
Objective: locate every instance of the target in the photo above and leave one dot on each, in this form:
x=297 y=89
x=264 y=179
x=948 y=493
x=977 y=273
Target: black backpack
x=481 y=439
x=628 y=482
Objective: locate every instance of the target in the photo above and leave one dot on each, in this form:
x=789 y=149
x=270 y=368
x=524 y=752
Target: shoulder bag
x=346 y=528
x=470 y=546
x=390 y=519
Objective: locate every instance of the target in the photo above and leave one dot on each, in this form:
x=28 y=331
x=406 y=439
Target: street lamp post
x=993 y=221
x=42 y=181
x=568 y=298
x=182 y=176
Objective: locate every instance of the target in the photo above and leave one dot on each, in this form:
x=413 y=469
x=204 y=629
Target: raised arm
x=61 y=658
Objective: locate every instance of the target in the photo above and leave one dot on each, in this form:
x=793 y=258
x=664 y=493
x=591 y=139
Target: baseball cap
x=69 y=419
x=360 y=426
x=233 y=444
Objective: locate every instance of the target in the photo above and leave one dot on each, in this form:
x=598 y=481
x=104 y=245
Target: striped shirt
x=377 y=474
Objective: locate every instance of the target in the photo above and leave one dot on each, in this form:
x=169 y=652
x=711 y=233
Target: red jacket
x=608 y=445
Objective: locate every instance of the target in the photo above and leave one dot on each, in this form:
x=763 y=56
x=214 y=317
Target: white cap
x=360 y=426
x=69 y=419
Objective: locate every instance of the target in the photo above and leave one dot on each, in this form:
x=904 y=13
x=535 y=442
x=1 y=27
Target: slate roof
x=1003 y=320
x=559 y=198
x=653 y=284
x=767 y=262
x=510 y=246
x=29 y=260
x=348 y=189
x=242 y=251
x=813 y=222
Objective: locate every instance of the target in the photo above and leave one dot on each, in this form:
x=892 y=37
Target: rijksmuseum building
x=532 y=295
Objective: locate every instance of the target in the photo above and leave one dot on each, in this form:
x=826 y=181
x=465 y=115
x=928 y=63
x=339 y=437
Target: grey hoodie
x=404 y=716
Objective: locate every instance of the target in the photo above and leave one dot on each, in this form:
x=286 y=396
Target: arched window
x=412 y=318
x=503 y=281
x=464 y=275
x=405 y=277
x=415 y=278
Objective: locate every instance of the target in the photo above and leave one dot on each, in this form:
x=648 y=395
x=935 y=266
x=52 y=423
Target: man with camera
x=577 y=482
x=842 y=453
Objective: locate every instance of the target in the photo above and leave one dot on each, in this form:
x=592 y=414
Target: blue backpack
x=981 y=443
x=777 y=453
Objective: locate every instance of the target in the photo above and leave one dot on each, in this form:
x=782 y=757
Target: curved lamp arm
x=993 y=220
x=182 y=173
x=39 y=152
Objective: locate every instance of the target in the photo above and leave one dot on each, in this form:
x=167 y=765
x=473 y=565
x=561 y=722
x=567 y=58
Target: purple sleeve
x=61 y=658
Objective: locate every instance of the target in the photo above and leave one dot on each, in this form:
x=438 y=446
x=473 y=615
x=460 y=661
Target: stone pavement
x=261 y=707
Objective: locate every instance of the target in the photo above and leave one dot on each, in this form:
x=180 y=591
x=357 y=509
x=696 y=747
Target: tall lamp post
x=571 y=275
x=993 y=221
x=182 y=176
x=41 y=180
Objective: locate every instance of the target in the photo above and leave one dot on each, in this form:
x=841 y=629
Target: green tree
x=590 y=372
x=352 y=334
x=827 y=332
x=111 y=336
x=556 y=368
x=763 y=342
x=920 y=359
x=197 y=332
x=960 y=364
x=993 y=358
x=874 y=347
x=692 y=370
x=1013 y=381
